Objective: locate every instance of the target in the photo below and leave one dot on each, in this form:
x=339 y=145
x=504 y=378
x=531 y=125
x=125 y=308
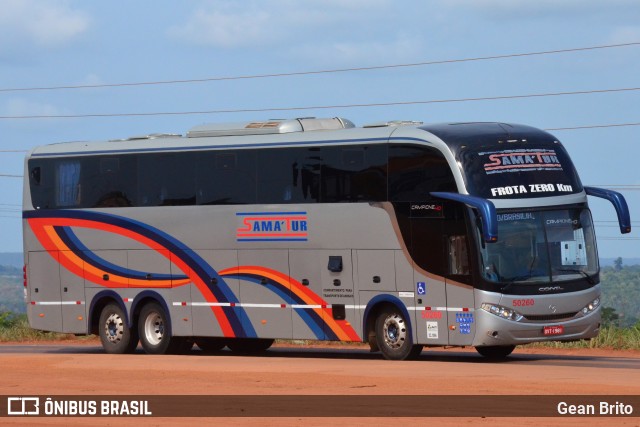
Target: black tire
x=154 y=331
x=115 y=334
x=211 y=345
x=496 y=352
x=415 y=352
x=393 y=336
x=249 y=345
x=180 y=345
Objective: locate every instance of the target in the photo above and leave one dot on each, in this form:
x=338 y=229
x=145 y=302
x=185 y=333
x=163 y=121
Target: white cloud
x=625 y=34
x=232 y=24
x=226 y=29
x=401 y=48
x=20 y=107
x=47 y=24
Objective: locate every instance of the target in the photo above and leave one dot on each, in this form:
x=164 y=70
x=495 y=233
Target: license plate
x=553 y=330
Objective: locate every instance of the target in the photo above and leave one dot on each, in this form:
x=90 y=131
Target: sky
x=58 y=43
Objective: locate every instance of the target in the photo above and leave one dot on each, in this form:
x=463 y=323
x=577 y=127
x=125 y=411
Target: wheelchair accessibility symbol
x=422 y=288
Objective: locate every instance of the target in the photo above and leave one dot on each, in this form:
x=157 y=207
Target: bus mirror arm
x=485 y=209
x=618 y=202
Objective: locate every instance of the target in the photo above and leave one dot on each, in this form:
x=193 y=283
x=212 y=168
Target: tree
x=617 y=264
x=609 y=316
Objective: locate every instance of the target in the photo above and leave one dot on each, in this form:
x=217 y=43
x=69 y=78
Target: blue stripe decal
x=310 y=317
x=199 y=266
x=78 y=248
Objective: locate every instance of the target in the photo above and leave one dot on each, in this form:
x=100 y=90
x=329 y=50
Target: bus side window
x=414 y=171
x=458 y=255
x=226 y=177
x=354 y=174
x=68 y=184
x=288 y=175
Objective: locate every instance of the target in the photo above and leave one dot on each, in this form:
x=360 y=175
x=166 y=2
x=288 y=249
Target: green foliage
x=609 y=337
x=11 y=293
x=617 y=264
x=15 y=327
x=609 y=316
x=621 y=292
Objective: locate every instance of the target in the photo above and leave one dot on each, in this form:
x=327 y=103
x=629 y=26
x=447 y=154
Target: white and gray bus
x=399 y=234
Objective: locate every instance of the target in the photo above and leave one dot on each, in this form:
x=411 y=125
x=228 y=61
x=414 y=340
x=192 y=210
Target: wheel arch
x=375 y=307
x=146 y=297
x=99 y=302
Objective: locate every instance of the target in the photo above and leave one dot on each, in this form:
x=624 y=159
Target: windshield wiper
x=581 y=272
x=514 y=280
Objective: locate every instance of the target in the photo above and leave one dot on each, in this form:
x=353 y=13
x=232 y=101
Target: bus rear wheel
x=155 y=334
x=116 y=336
x=393 y=336
x=496 y=352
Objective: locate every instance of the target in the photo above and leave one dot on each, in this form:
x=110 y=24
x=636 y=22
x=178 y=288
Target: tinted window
x=41 y=181
x=226 y=177
x=415 y=171
x=167 y=179
x=108 y=181
x=354 y=174
x=290 y=175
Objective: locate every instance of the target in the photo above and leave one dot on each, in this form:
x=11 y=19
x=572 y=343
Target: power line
x=4 y=175
x=316 y=72
x=594 y=126
x=320 y=107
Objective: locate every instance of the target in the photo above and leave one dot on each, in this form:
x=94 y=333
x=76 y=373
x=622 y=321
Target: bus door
x=326 y=303
x=460 y=296
x=427 y=283
x=265 y=291
x=44 y=311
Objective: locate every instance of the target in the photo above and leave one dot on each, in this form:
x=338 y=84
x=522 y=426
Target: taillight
x=24 y=275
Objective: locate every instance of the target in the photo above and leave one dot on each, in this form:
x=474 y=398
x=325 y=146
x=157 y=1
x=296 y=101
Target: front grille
x=547 y=317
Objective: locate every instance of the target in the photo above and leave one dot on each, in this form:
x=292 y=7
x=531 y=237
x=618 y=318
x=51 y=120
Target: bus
x=402 y=235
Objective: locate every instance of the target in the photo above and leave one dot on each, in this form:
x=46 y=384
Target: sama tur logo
x=272 y=227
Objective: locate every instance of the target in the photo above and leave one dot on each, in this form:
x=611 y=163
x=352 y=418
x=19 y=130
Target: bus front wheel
x=393 y=336
x=496 y=352
x=211 y=345
x=116 y=336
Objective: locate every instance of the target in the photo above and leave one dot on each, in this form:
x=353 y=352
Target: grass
x=15 y=327
x=610 y=337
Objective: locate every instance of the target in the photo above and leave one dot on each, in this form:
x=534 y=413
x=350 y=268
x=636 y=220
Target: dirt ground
x=81 y=369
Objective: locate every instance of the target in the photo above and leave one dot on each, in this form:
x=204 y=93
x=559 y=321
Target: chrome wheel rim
x=395 y=331
x=154 y=328
x=114 y=328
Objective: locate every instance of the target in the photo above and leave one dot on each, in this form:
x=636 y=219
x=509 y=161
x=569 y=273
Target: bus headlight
x=591 y=306
x=503 y=312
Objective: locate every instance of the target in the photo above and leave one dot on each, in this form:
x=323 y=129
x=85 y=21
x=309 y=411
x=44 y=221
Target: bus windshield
x=541 y=246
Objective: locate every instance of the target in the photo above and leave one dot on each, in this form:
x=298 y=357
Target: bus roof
x=305 y=131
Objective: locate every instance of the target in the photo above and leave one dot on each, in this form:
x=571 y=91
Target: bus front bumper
x=492 y=330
